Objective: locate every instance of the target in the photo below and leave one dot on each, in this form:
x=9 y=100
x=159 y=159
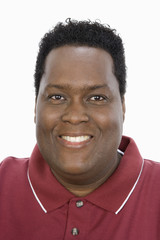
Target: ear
x=35 y=110
x=123 y=107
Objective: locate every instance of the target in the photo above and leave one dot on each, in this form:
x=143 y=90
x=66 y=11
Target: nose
x=75 y=113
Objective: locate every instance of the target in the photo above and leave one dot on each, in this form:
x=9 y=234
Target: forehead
x=79 y=65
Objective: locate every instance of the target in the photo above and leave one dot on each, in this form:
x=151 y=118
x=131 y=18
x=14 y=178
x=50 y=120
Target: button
x=75 y=231
x=79 y=204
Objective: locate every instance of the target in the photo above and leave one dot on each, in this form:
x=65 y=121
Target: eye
x=56 y=98
x=98 y=99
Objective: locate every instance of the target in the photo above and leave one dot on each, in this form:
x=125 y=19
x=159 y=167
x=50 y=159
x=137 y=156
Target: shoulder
x=12 y=167
x=13 y=161
x=151 y=174
x=152 y=166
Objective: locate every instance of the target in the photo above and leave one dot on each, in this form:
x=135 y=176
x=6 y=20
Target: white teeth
x=76 y=139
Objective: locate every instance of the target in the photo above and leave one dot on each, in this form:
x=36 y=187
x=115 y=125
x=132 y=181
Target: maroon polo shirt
x=35 y=206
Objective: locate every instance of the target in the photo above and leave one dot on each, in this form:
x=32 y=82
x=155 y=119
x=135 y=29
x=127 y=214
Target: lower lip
x=74 y=144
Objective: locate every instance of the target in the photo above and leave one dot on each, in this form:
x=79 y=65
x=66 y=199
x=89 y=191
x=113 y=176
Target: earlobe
x=35 y=111
x=123 y=107
x=34 y=118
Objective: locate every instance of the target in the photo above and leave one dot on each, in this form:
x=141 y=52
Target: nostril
x=75 y=117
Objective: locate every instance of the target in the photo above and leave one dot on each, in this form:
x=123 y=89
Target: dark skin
x=79 y=116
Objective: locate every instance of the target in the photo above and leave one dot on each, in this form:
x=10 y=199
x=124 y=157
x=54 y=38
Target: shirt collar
x=48 y=191
x=111 y=196
x=115 y=192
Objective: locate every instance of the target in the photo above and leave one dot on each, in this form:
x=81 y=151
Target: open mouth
x=77 y=141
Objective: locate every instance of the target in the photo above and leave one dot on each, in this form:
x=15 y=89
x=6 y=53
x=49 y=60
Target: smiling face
x=79 y=114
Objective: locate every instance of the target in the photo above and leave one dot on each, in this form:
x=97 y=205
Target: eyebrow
x=67 y=86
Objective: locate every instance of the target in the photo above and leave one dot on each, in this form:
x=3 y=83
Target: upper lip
x=75 y=134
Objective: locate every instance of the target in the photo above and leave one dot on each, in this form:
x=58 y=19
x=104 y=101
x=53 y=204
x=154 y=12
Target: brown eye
x=97 y=98
x=57 y=97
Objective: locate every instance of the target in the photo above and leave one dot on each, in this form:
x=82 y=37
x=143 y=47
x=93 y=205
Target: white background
x=23 y=23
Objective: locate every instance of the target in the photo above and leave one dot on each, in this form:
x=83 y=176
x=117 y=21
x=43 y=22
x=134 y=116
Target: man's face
x=79 y=113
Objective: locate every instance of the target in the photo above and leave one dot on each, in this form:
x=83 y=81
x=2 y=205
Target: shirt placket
x=76 y=220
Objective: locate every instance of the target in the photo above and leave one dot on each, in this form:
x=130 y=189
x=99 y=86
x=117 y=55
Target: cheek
x=110 y=119
x=110 y=124
x=47 y=119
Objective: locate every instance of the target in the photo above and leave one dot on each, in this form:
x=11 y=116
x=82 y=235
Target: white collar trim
x=125 y=201
x=131 y=190
x=35 y=193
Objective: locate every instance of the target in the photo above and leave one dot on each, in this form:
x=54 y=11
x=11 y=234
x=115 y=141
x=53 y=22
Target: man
x=83 y=179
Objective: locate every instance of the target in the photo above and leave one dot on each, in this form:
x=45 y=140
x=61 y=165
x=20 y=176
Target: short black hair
x=83 y=33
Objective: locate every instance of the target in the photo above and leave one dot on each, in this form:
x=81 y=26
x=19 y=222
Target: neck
x=82 y=190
